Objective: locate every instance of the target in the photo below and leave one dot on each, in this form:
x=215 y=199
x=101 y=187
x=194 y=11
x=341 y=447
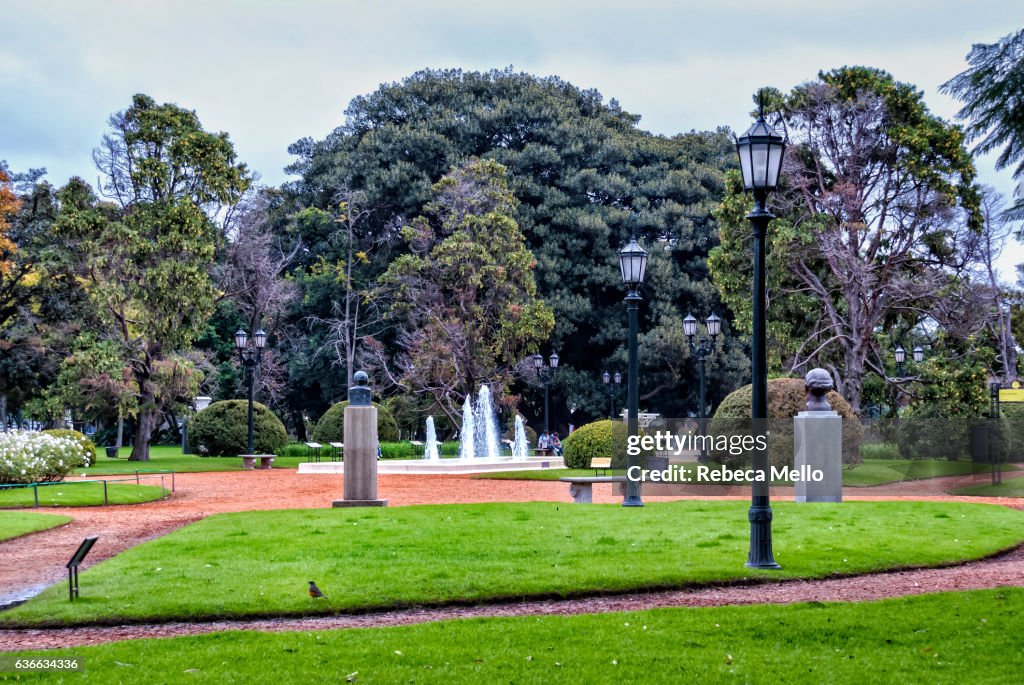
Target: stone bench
x=249 y=461
x=582 y=487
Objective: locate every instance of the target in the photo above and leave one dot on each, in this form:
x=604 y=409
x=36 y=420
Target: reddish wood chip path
x=31 y=562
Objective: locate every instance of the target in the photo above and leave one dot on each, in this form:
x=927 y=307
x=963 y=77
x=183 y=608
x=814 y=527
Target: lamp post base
x=761 y=556
x=633 y=501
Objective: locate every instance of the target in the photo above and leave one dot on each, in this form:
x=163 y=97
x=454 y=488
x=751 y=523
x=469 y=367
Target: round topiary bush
x=331 y=428
x=222 y=430
x=605 y=438
x=88 y=447
x=786 y=398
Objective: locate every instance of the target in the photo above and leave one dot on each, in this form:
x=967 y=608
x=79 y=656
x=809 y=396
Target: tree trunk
x=144 y=426
x=300 y=425
x=3 y=413
x=120 y=431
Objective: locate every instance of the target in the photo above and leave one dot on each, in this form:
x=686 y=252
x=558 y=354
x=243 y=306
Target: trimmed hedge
x=331 y=428
x=86 y=443
x=605 y=438
x=786 y=398
x=222 y=430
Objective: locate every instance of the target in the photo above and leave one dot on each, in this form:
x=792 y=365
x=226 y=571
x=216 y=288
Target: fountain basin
x=444 y=466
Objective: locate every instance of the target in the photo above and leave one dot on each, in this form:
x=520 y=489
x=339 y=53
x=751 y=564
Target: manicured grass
x=81 y=494
x=16 y=523
x=258 y=563
x=540 y=474
x=170 y=458
x=956 y=638
x=880 y=471
x=1010 y=487
x=870 y=472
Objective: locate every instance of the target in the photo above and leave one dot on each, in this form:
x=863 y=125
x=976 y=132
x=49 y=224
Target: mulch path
x=29 y=563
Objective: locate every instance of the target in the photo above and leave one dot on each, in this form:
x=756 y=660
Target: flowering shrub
x=29 y=457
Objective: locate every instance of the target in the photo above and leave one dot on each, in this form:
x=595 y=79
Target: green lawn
x=258 y=563
x=955 y=638
x=16 y=523
x=1010 y=487
x=870 y=472
x=170 y=458
x=81 y=494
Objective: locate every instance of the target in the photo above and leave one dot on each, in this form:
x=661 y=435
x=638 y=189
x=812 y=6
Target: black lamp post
x=702 y=350
x=760 y=150
x=633 y=263
x=901 y=356
x=250 y=360
x=546 y=374
x=613 y=390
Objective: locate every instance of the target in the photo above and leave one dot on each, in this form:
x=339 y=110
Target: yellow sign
x=1015 y=395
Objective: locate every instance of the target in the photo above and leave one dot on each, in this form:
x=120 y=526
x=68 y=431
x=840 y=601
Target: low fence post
x=35 y=491
x=105 y=500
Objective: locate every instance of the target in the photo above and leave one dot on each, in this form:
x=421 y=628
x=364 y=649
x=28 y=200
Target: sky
x=271 y=72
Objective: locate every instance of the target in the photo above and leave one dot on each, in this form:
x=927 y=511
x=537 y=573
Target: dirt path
x=32 y=562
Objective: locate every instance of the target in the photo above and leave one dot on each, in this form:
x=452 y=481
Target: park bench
x=313 y=451
x=581 y=488
x=249 y=461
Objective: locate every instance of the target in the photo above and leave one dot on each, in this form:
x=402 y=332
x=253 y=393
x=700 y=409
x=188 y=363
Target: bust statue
x=817 y=383
x=359 y=394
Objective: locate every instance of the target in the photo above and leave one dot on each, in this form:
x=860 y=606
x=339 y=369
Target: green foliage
x=873 y=183
x=786 y=398
x=222 y=429
x=991 y=92
x=331 y=426
x=601 y=439
x=584 y=174
x=465 y=297
x=145 y=261
x=88 y=447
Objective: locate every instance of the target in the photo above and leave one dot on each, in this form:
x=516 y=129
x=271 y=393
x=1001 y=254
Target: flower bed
x=30 y=457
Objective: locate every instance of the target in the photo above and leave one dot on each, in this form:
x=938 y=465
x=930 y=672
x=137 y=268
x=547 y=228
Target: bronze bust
x=818 y=383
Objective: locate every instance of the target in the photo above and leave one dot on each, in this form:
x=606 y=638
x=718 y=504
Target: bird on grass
x=314 y=591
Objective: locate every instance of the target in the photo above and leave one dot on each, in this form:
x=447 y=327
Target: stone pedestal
x=818 y=443
x=360 y=458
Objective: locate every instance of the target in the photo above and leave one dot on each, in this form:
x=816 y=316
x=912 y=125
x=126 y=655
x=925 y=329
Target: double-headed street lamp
x=901 y=356
x=250 y=360
x=633 y=264
x=702 y=350
x=760 y=150
x=613 y=390
x=546 y=374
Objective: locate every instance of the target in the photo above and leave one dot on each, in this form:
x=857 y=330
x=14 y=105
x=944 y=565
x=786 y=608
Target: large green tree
x=146 y=256
x=992 y=90
x=585 y=176
x=464 y=297
x=878 y=216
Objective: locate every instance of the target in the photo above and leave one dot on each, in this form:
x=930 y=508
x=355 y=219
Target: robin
x=314 y=591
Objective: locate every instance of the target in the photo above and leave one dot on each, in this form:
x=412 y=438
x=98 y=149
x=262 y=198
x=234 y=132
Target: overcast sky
x=270 y=72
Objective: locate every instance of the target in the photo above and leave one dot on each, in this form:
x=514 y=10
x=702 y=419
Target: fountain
x=520 y=447
x=479 y=451
x=430 y=451
x=468 y=434
x=486 y=442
